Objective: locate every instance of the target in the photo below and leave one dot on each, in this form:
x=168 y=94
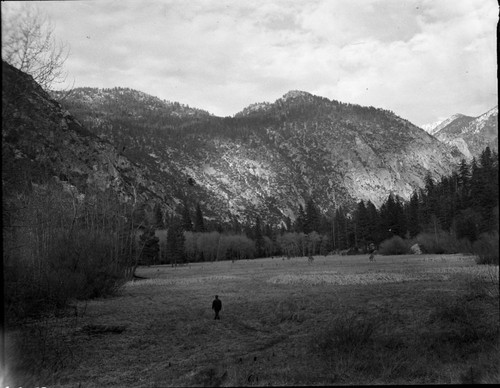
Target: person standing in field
x=372 y=251
x=217 y=306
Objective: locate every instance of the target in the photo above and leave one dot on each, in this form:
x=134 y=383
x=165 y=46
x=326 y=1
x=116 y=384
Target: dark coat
x=217 y=305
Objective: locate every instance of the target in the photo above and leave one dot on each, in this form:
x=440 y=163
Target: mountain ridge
x=336 y=152
x=265 y=163
x=471 y=134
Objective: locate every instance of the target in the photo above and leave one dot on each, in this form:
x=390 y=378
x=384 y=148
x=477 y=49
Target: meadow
x=412 y=319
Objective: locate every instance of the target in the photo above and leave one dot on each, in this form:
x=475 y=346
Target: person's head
x=216 y=296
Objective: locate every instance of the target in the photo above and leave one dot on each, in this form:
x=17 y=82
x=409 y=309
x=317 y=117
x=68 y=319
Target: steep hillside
x=42 y=141
x=471 y=135
x=270 y=157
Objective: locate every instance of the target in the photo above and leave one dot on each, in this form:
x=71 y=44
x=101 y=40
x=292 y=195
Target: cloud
x=423 y=59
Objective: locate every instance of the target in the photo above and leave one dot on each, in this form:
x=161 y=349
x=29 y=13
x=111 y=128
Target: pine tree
x=258 y=237
x=150 y=246
x=373 y=223
x=312 y=217
x=175 y=243
x=300 y=221
x=476 y=185
x=341 y=229
x=464 y=185
x=362 y=222
x=158 y=214
x=392 y=218
x=413 y=215
x=288 y=224
x=199 y=224
x=187 y=224
x=487 y=189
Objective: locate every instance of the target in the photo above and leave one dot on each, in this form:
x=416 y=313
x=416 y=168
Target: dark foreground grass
x=401 y=320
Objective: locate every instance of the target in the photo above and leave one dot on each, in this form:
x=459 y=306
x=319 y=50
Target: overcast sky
x=423 y=59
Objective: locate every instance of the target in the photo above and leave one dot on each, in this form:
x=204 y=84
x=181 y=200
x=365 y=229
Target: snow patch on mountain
x=438 y=125
x=430 y=128
x=478 y=124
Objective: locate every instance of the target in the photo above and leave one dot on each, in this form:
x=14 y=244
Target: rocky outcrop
x=38 y=132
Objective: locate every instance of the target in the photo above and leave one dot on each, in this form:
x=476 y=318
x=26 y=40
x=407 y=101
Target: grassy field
x=340 y=320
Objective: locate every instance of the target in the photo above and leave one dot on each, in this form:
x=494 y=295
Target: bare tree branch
x=29 y=44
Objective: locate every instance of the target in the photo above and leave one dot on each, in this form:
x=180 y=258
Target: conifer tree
x=258 y=237
x=463 y=182
x=158 y=214
x=199 y=224
x=187 y=224
x=392 y=217
x=413 y=215
x=373 y=223
x=341 y=229
x=300 y=221
x=312 y=217
x=175 y=243
x=362 y=221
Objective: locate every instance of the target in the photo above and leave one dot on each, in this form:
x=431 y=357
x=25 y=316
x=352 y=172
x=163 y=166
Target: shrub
x=393 y=246
x=486 y=248
x=439 y=242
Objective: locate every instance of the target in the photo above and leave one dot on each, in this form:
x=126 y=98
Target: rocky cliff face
x=471 y=135
x=39 y=137
x=270 y=157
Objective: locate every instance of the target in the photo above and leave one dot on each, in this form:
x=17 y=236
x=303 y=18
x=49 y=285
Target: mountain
x=438 y=125
x=266 y=160
x=41 y=141
x=269 y=158
x=471 y=135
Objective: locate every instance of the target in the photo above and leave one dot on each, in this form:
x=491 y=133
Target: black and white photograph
x=220 y=193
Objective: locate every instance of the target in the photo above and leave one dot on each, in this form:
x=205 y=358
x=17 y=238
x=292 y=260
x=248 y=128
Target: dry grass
x=341 y=320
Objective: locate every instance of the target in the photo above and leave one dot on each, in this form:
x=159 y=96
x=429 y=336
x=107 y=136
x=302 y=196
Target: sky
x=423 y=59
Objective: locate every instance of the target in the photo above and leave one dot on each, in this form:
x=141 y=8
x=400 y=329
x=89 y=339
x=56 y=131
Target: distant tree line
x=447 y=216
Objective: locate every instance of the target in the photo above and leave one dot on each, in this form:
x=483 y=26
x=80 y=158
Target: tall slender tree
x=187 y=224
x=300 y=221
x=312 y=217
x=199 y=223
x=258 y=237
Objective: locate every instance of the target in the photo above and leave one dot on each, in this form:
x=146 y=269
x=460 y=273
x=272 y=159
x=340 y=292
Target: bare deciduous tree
x=29 y=44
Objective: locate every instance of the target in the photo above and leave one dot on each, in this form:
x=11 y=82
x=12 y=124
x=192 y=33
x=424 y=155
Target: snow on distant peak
x=430 y=127
x=487 y=115
x=480 y=122
x=434 y=128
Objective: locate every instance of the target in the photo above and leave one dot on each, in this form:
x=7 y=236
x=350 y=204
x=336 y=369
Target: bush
x=441 y=242
x=486 y=248
x=394 y=246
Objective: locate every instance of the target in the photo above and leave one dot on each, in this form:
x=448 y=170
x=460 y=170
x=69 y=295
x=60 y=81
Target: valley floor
x=338 y=320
